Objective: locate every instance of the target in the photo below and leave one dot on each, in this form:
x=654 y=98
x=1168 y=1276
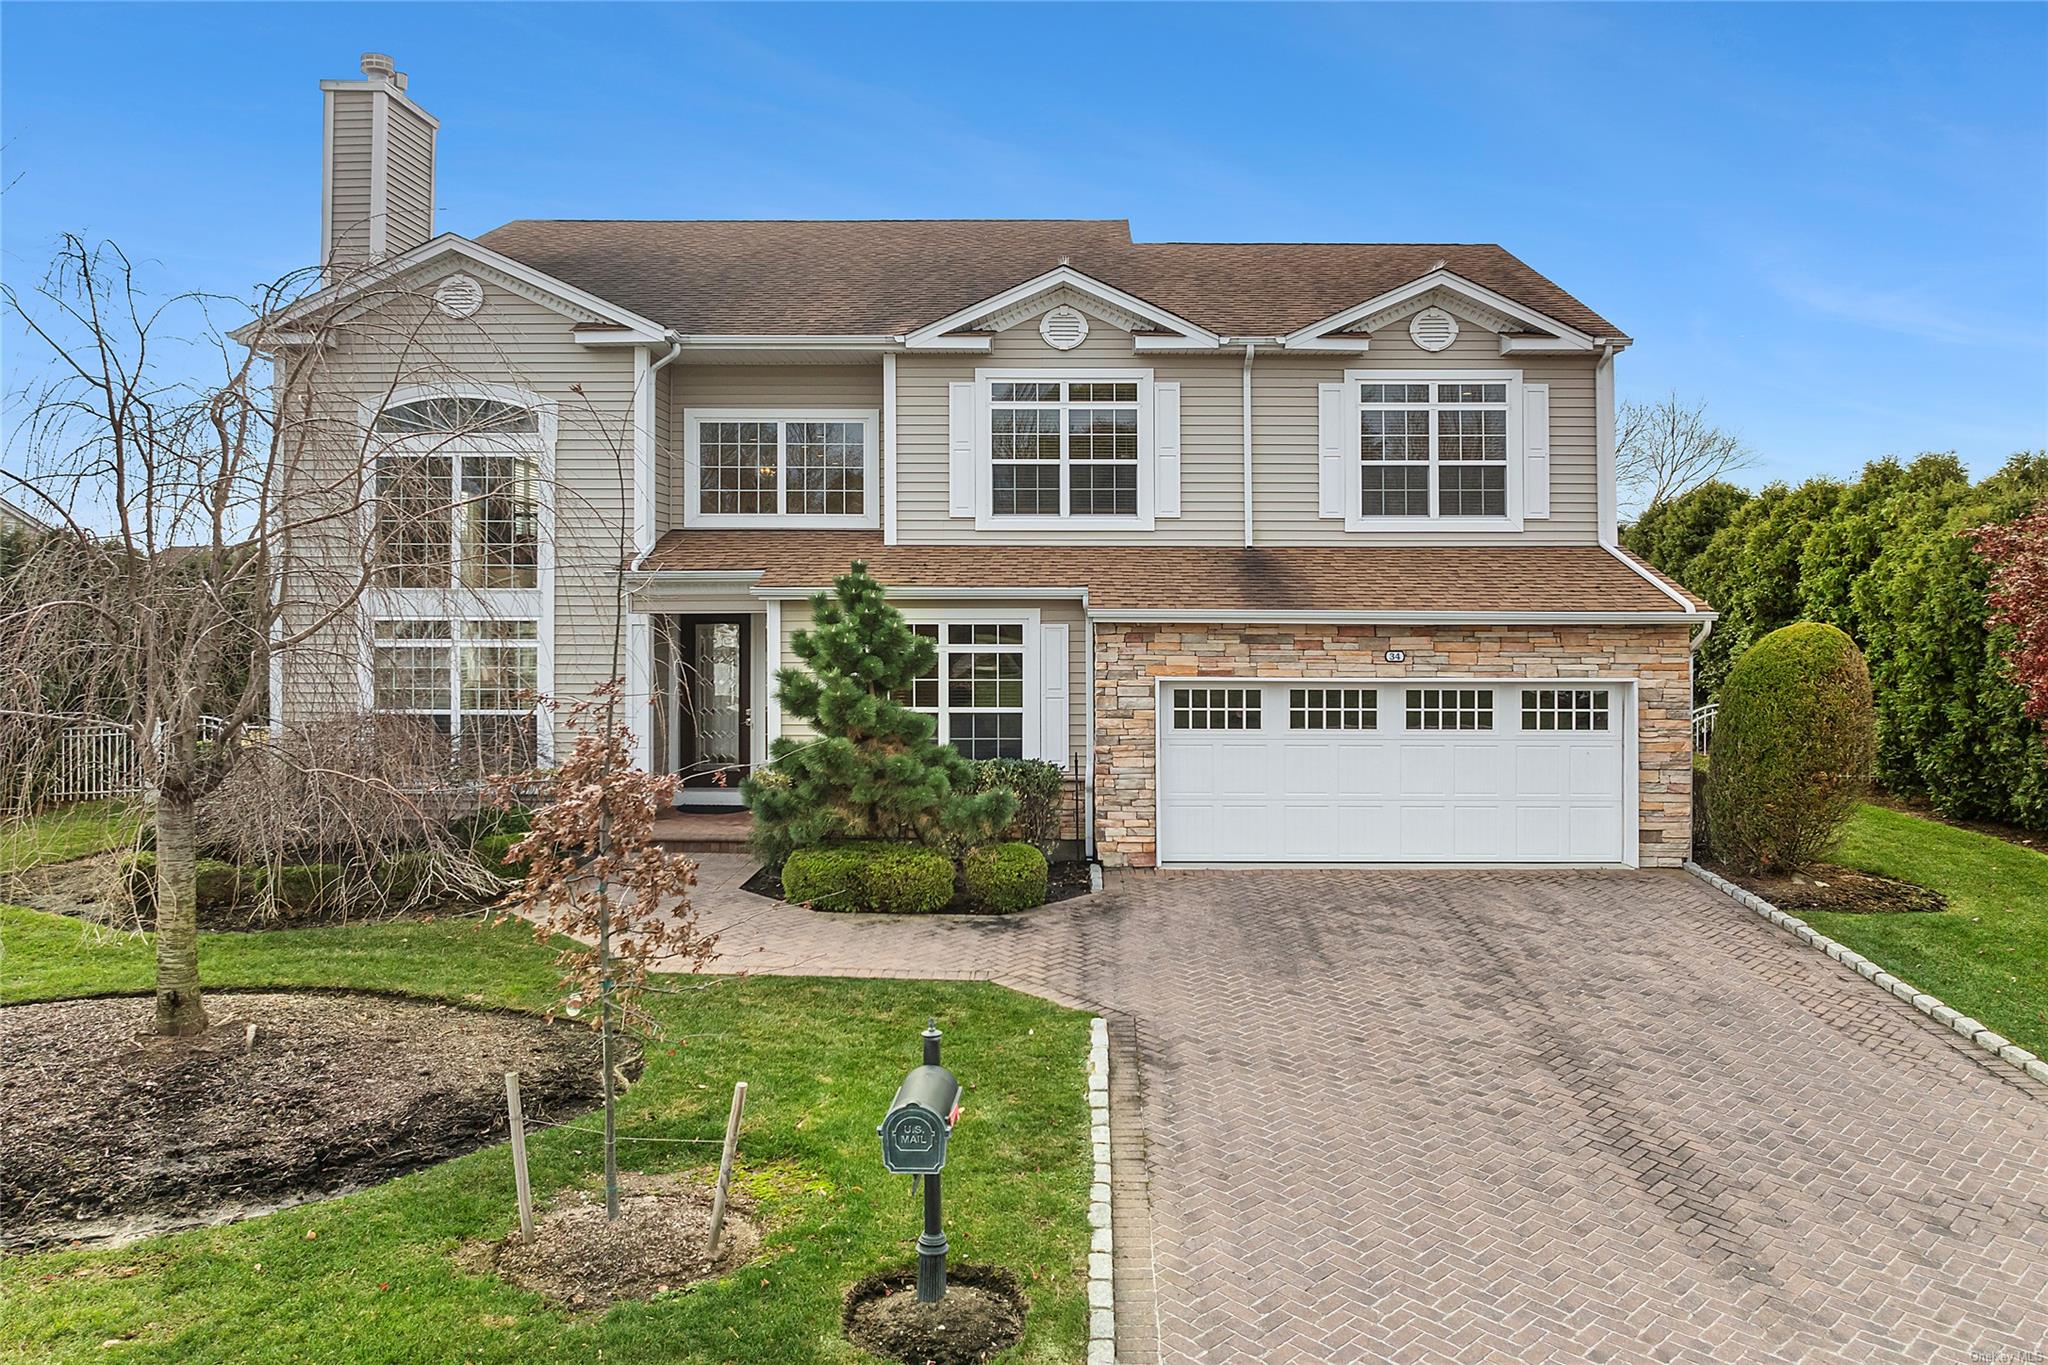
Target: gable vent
x=1063 y=328
x=459 y=296
x=1433 y=329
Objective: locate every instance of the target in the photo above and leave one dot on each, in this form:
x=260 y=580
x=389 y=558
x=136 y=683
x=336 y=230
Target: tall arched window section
x=461 y=620
x=458 y=493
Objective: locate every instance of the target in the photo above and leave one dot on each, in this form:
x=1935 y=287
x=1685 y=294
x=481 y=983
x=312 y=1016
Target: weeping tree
x=870 y=768
x=215 y=507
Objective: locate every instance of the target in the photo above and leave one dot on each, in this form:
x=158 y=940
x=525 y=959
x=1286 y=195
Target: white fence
x=1703 y=726
x=98 y=761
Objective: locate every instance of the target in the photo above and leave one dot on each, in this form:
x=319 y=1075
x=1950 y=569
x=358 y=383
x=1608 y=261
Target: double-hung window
x=1435 y=448
x=459 y=613
x=1066 y=449
x=750 y=467
x=471 y=682
x=458 y=494
x=976 y=695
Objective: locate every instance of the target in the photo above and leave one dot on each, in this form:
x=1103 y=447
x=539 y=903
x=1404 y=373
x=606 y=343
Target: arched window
x=458 y=493
x=456 y=415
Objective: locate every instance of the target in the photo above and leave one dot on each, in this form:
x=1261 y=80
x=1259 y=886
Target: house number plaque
x=1397 y=656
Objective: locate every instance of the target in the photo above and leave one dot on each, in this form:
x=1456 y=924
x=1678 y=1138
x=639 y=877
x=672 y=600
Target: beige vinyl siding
x=1052 y=611
x=1212 y=454
x=516 y=341
x=753 y=386
x=409 y=175
x=348 y=204
x=1284 y=487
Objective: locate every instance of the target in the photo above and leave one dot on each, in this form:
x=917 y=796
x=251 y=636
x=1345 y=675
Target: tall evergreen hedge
x=1884 y=559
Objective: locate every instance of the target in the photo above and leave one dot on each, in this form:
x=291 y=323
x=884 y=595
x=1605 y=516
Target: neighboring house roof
x=890 y=277
x=1436 y=580
x=13 y=513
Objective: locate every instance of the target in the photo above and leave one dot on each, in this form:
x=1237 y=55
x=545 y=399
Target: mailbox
x=920 y=1119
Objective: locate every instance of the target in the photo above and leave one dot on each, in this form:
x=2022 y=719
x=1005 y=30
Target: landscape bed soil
x=580 y=1259
x=1834 y=888
x=982 y=1313
x=114 y=1133
x=1064 y=881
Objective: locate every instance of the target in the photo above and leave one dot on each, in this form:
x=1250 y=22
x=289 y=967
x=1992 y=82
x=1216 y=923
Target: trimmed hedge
x=215 y=885
x=403 y=877
x=1792 y=748
x=490 y=854
x=1887 y=558
x=308 y=887
x=888 y=879
x=1006 y=877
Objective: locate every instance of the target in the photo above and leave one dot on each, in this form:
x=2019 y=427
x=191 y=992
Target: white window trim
x=386 y=607
x=870 y=516
x=984 y=483
x=459 y=604
x=1433 y=523
x=1034 y=662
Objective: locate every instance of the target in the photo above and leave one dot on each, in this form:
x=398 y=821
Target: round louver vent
x=1063 y=328
x=1433 y=329
x=458 y=296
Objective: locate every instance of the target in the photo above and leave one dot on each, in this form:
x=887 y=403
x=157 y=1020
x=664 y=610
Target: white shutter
x=1535 y=450
x=1336 y=446
x=1166 y=448
x=1053 y=664
x=960 y=441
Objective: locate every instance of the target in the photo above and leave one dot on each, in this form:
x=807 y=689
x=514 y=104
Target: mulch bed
x=982 y=1313
x=112 y=1133
x=1835 y=888
x=1064 y=881
x=581 y=1259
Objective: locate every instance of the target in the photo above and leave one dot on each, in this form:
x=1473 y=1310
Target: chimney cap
x=378 y=65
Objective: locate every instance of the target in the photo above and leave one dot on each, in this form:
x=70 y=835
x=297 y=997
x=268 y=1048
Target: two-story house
x=1302 y=552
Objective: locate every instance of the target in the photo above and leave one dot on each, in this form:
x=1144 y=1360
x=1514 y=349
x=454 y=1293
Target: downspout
x=675 y=348
x=1608 y=511
x=1249 y=349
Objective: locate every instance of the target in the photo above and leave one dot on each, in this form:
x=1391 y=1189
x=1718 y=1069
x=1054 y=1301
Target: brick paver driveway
x=1459 y=1116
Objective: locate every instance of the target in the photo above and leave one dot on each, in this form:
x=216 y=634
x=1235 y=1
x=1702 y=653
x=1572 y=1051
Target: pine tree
x=870 y=769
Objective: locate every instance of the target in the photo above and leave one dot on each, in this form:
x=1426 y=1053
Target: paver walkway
x=1460 y=1116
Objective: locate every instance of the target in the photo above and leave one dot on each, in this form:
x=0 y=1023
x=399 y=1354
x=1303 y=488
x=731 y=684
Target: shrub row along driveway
x=1450 y=1115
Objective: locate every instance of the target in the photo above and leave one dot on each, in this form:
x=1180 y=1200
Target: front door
x=715 y=722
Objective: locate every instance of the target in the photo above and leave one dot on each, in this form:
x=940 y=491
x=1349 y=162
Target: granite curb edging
x=1101 y=1258
x=1976 y=1032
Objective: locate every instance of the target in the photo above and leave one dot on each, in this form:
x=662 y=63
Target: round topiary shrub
x=1006 y=877
x=308 y=888
x=889 y=879
x=1792 y=748
x=490 y=854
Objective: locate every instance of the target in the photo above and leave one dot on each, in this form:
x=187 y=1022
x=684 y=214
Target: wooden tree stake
x=732 y=1141
x=519 y=1179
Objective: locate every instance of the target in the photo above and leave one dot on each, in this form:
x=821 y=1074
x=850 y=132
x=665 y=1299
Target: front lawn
x=1987 y=953
x=372 y=1276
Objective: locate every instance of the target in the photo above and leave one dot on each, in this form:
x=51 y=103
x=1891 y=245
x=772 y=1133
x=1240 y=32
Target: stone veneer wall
x=1129 y=657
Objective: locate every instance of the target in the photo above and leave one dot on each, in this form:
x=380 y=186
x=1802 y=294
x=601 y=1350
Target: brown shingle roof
x=889 y=277
x=1124 y=578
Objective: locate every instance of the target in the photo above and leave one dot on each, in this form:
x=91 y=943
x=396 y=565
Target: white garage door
x=1458 y=772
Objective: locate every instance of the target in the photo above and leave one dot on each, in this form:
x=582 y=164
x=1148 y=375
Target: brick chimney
x=377 y=180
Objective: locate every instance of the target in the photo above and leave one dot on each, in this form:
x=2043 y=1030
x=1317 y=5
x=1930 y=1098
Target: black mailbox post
x=914 y=1134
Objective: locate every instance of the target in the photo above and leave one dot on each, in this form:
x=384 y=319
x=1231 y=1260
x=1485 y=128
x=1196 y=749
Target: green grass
x=1987 y=953
x=73 y=832
x=377 y=1279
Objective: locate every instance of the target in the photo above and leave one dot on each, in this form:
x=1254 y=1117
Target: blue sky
x=1831 y=222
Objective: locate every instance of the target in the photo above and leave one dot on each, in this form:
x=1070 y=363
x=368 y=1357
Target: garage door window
x=1332 y=708
x=1215 y=708
x=1564 y=708
x=1450 y=708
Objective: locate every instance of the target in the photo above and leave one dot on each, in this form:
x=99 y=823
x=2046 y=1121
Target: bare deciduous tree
x=1664 y=450
x=204 y=530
